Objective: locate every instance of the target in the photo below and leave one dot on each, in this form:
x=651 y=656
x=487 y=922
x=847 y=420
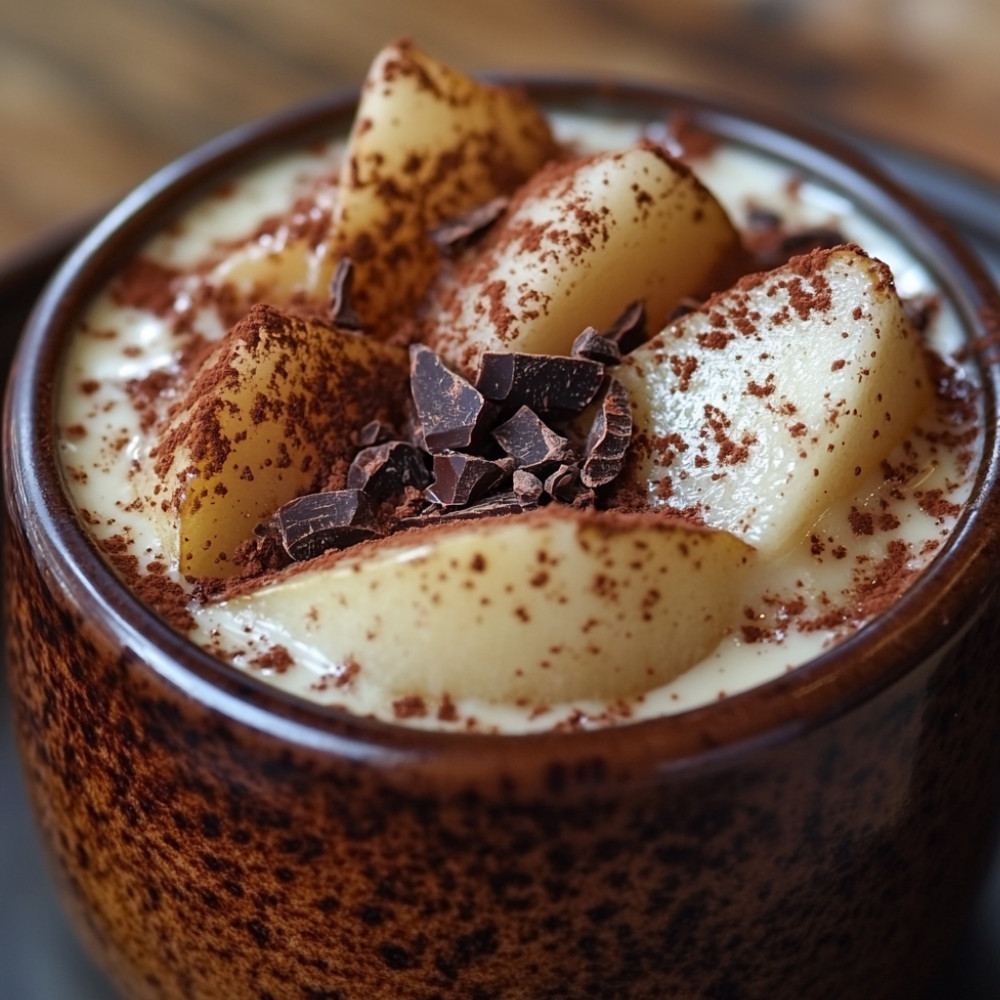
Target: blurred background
x=94 y=95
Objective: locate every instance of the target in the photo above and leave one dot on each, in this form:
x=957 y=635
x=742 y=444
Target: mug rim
x=928 y=617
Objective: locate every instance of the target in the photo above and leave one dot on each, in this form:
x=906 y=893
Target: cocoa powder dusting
x=935 y=504
x=410 y=707
x=164 y=595
x=874 y=591
x=277 y=659
x=145 y=284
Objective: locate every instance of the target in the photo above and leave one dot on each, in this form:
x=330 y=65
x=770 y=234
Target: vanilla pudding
x=780 y=576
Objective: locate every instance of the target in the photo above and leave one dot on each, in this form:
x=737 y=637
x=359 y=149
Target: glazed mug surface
x=820 y=836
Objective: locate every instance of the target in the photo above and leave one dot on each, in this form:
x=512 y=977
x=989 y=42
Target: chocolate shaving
x=595 y=346
x=374 y=432
x=491 y=506
x=318 y=522
x=551 y=385
x=609 y=437
x=460 y=479
x=772 y=243
x=629 y=330
x=385 y=470
x=803 y=241
x=342 y=310
x=921 y=309
x=454 y=235
x=451 y=411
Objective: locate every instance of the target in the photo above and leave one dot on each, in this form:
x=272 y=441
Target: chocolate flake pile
x=533 y=429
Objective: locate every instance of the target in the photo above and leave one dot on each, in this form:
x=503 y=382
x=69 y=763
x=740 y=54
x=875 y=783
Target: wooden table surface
x=95 y=94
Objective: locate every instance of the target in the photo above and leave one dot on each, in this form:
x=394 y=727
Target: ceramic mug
x=821 y=835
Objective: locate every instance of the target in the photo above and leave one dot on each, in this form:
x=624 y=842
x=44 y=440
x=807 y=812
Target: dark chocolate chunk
x=596 y=346
x=506 y=465
x=460 y=479
x=528 y=488
x=385 y=470
x=342 y=309
x=531 y=442
x=629 y=330
x=454 y=235
x=551 y=385
x=609 y=437
x=566 y=486
x=451 y=411
x=318 y=522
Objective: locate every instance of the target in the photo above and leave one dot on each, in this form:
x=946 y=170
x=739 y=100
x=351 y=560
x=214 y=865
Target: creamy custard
x=853 y=560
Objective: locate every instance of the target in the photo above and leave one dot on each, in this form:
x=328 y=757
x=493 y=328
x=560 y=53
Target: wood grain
x=95 y=95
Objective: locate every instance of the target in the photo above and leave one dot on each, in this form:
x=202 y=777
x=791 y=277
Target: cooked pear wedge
x=276 y=271
x=428 y=144
x=531 y=609
x=777 y=396
x=287 y=260
x=580 y=243
x=267 y=417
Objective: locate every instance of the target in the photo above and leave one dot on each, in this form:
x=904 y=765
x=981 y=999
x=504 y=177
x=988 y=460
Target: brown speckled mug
x=820 y=836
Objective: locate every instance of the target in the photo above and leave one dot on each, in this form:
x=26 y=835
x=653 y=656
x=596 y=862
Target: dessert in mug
x=486 y=419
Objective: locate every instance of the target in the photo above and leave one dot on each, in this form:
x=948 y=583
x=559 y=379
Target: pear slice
x=276 y=271
x=580 y=243
x=287 y=259
x=777 y=396
x=532 y=609
x=428 y=144
x=268 y=415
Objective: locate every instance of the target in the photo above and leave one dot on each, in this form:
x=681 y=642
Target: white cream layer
x=108 y=465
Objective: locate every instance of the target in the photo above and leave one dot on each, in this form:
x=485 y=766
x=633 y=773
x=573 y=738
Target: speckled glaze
x=820 y=836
